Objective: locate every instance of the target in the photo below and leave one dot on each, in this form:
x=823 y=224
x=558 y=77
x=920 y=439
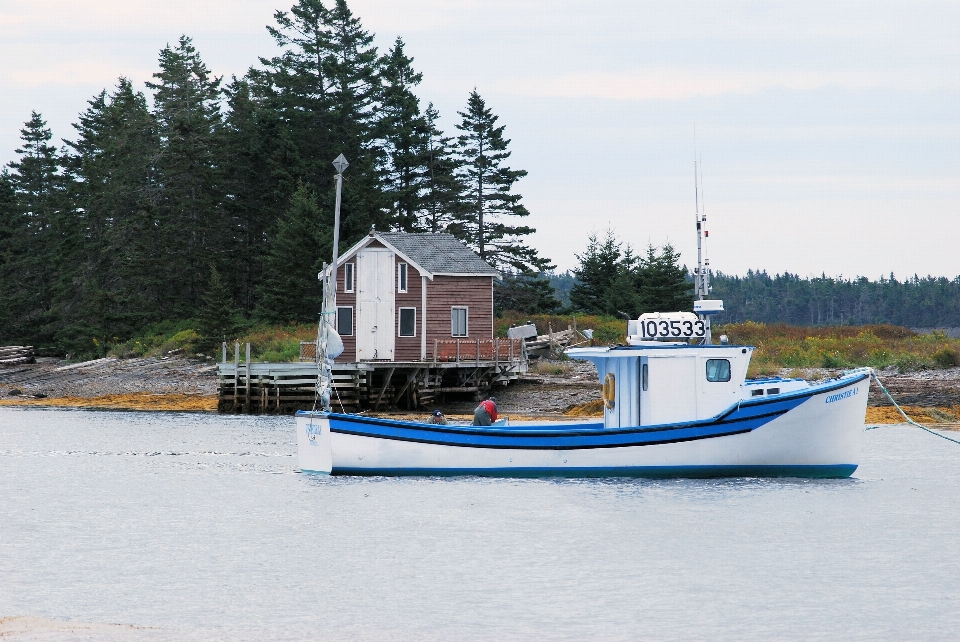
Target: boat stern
x=313 y=443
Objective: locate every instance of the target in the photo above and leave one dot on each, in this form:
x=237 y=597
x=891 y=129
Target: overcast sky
x=828 y=131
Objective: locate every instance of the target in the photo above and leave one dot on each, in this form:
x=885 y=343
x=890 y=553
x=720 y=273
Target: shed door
x=375 y=303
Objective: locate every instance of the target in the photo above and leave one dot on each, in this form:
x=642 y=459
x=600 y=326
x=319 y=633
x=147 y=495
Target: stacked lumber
x=551 y=344
x=16 y=355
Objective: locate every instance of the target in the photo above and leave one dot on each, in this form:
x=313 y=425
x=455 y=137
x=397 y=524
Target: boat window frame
x=644 y=376
x=718 y=374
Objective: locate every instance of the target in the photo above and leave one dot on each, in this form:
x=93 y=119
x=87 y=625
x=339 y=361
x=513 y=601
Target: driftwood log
x=16 y=355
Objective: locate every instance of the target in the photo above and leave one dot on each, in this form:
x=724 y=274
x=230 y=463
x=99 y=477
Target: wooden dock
x=462 y=367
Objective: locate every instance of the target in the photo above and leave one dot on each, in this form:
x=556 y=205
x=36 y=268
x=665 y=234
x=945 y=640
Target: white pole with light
x=328 y=314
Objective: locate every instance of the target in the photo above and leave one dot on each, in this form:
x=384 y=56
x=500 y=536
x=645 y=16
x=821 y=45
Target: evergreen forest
x=915 y=302
x=612 y=279
x=212 y=199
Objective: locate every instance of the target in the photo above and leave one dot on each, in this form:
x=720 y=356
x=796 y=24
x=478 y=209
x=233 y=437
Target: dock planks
x=469 y=367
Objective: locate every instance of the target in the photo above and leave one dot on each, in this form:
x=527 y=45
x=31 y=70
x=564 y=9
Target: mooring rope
x=900 y=410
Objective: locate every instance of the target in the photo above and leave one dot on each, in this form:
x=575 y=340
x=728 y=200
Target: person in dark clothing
x=486 y=412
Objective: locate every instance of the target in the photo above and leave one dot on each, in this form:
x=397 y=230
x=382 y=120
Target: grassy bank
x=783 y=346
x=275 y=344
x=778 y=346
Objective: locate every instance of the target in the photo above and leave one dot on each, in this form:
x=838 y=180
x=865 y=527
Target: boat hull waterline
x=816 y=433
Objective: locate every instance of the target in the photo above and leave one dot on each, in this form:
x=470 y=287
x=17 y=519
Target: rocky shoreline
x=550 y=388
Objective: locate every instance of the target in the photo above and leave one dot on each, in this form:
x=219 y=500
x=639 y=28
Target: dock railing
x=455 y=350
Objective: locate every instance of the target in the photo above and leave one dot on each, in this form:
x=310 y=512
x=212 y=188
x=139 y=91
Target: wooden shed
x=400 y=294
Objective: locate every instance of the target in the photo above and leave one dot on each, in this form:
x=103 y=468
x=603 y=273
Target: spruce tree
x=621 y=296
x=113 y=190
x=406 y=135
x=529 y=293
x=187 y=109
x=599 y=267
x=290 y=290
x=10 y=223
x=217 y=318
x=486 y=226
x=444 y=191
x=31 y=266
x=664 y=284
x=252 y=197
x=325 y=89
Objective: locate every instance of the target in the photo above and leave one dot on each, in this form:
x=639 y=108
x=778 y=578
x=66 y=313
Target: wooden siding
x=348 y=298
x=408 y=348
x=473 y=292
x=444 y=292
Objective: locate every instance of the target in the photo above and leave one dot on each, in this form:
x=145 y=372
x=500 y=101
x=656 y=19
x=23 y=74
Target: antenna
x=698 y=275
x=702 y=274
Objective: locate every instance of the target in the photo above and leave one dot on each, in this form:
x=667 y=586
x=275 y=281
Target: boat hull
x=814 y=434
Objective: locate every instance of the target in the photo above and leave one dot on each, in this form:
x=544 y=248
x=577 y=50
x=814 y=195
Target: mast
x=701 y=275
x=328 y=311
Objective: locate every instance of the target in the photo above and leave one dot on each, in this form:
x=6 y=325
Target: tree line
x=213 y=198
x=928 y=302
x=611 y=279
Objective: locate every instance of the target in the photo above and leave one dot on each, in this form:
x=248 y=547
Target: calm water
x=199 y=525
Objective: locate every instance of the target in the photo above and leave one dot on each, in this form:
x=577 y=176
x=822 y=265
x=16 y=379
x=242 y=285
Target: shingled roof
x=438 y=253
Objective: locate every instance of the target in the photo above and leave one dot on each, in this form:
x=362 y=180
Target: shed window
x=718 y=370
x=408 y=322
x=345 y=321
x=401 y=277
x=348 y=269
x=458 y=322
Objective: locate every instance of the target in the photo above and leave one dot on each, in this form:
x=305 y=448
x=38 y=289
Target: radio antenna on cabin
x=701 y=276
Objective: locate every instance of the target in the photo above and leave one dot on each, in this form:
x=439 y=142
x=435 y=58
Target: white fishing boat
x=670 y=410
x=675 y=405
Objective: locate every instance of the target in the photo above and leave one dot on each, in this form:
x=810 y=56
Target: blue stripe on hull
x=829 y=471
x=742 y=417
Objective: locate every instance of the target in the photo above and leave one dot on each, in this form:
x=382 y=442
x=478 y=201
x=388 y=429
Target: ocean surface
x=199 y=527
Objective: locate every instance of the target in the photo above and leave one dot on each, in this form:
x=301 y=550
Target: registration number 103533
x=672 y=328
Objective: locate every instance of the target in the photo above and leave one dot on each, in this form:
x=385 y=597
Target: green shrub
x=946 y=358
x=833 y=360
x=184 y=340
x=910 y=362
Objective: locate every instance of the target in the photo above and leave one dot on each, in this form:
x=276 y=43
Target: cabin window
x=401 y=277
x=718 y=370
x=408 y=322
x=756 y=393
x=773 y=391
x=348 y=269
x=645 y=376
x=458 y=322
x=345 y=321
